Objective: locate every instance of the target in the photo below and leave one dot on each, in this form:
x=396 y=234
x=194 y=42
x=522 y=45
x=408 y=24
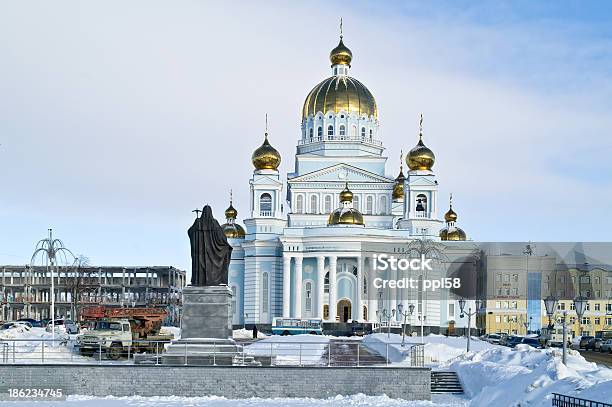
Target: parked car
x=584 y=342
x=513 y=340
x=606 y=346
x=493 y=338
x=503 y=339
x=533 y=342
x=593 y=344
x=33 y=323
x=63 y=326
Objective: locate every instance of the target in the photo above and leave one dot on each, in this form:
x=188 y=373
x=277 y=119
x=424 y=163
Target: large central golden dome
x=340 y=92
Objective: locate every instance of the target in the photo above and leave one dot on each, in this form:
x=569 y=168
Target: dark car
x=512 y=341
x=33 y=322
x=593 y=344
x=584 y=342
x=533 y=342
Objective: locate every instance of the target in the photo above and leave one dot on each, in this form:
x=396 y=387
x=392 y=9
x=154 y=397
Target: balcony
x=352 y=139
x=420 y=214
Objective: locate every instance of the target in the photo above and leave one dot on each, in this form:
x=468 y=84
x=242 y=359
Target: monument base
x=206 y=330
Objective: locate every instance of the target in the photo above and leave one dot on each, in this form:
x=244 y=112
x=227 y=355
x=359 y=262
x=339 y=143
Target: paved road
x=597 y=357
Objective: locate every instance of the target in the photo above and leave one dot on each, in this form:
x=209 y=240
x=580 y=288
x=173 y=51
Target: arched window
x=354 y=131
x=363 y=133
x=326 y=283
x=370 y=134
x=356 y=202
x=382 y=207
x=342 y=130
x=265 y=204
x=314 y=207
x=265 y=293
x=330 y=131
x=421 y=205
x=308 y=296
x=369 y=205
x=299 y=204
x=365 y=312
x=328 y=203
x=310 y=133
x=320 y=132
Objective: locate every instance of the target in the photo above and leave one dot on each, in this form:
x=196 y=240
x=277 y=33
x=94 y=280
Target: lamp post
x=550 y=304
x=422 y=318
x=469 y=314
x=405 y=314
x=580 y=304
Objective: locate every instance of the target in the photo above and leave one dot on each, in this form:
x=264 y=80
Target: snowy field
x=338 y=401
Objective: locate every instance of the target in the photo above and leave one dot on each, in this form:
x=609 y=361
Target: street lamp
x=469 y=314
x=580 y=304
x=405 y=314
x=388 y=316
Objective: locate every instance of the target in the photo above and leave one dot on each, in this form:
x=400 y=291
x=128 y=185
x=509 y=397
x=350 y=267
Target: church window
x=354 y=131
x=383 y=205
x=328 y=203
x=265 y=292
x=421 y=205
x=369 y=205
x=330 y=130
x=365 y=313
x=320 y=132
x=314 y=204
x=370 y=134
x=308 y=296
x=326 y=283
x=299 y=204
x=265 y=204
x=325 y=311
x=342 y=130
x=311 y=132
x=365 y=284
x=363 y=132
x=356 y=202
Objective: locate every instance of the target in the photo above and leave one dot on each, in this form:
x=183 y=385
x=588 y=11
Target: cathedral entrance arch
x=344 y=310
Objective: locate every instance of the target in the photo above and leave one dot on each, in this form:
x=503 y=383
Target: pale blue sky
x=118 y=118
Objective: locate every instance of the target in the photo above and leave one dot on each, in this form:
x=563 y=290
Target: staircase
x=445 y=382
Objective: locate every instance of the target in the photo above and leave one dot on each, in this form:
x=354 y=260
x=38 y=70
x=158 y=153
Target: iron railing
x=561 y=400
x=272 y=352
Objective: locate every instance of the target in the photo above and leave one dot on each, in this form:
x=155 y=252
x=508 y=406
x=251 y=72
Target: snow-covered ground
x=502 y=376
x=291 y=350
x=438 y=348
x=338 y=401
x=247 y=334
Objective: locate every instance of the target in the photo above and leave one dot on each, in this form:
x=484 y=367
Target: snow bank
x=174 y=330
x=291 y=350
x=438 y=348
x=527 y=376
x=247 y=334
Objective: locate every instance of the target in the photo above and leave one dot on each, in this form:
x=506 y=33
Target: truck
x=122 y=331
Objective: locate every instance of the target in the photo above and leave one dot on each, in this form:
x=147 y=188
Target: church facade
x=307 y=244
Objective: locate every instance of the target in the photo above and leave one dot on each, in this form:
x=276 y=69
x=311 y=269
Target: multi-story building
x=25 y=291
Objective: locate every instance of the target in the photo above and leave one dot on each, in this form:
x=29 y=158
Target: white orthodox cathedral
x=308 y=243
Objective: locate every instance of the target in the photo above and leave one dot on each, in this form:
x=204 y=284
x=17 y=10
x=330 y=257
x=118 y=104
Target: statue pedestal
x=206 y=329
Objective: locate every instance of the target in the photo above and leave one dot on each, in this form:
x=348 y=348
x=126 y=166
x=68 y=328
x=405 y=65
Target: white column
x=333 y=288
x=298 y=287
x=286 y=286
x=320 y=285
x=359 y=288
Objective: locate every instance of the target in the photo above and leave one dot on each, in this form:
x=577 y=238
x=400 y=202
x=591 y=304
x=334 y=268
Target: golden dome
x=450 y=216
x=340 y=93
x=420 y=157
x=346 y=195
x=233 y=230
x=266 y=157
x=398 y=188
x=345 y=216
x=452 y=233
x=341 y=55
x=231 y=212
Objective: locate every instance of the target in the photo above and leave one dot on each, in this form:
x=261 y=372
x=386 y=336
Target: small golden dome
x=266 y=157
x=346 y=195
x=345 y=216
x=398 y=188
x=341 y=55
x=233 y=230
x=420 y=157
x=452 y=233
x=450 y=216
x=231 y=212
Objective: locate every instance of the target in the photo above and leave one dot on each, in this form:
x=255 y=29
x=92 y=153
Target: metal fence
x=270 y=352
x=561 y=400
